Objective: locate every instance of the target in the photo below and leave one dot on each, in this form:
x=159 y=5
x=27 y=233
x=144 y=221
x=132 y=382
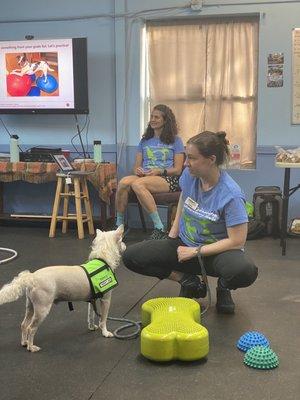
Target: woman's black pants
x=159 y=258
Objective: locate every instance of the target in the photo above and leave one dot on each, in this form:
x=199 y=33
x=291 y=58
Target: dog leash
x=129 y=324
x=204 y=277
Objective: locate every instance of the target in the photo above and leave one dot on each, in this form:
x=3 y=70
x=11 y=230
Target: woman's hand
x=185 y=253
x=139 y=171
x=153 y=172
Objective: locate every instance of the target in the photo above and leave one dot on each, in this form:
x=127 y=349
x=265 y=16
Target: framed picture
x=276 y=58
x=275 y=76
x=63 y=163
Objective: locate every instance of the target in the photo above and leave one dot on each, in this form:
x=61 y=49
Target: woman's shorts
x=173 y=182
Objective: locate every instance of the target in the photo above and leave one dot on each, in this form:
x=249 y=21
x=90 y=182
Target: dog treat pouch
x=101 y=277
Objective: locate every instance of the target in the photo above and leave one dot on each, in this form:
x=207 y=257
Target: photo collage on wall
x=275 y=70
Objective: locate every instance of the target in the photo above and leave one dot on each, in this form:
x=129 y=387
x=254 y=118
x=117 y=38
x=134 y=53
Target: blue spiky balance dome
x=251 y=339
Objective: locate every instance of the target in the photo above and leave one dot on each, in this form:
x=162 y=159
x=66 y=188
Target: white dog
x=44 y=67
x=63 y=283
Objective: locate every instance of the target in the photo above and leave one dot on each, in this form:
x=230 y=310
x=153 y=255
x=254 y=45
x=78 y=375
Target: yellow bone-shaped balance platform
x=172 y=330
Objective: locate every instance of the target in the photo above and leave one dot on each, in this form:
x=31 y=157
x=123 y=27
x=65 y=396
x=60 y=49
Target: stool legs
x=65 y=209
x=78 y=208
x=55 y=207
x=80 y=192
x=87 y=206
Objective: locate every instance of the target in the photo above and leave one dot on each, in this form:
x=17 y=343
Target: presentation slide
x=36 y=74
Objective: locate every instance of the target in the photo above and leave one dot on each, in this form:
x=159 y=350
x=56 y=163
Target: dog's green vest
x=101 y=277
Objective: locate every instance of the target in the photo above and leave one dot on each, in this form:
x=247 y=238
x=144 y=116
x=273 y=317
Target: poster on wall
x=275 y=70
x=296 y=76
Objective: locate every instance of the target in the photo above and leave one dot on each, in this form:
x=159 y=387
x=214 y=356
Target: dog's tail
x=16 y=288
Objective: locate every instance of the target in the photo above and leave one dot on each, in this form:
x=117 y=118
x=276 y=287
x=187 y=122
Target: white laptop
x=66 y=167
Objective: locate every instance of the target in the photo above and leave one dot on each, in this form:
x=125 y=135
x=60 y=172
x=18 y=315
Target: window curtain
x=207 y=73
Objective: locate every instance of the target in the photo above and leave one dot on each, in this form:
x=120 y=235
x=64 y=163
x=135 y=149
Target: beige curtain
x=206 y=71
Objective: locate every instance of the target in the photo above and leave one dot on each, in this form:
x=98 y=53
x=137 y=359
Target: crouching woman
x=211 y=220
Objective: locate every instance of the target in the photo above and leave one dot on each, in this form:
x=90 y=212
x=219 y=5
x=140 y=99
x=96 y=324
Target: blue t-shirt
x=206 y=215
x=157 y=154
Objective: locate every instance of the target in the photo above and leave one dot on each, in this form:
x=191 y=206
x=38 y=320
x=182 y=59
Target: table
x=287 y=192
x=103 y=178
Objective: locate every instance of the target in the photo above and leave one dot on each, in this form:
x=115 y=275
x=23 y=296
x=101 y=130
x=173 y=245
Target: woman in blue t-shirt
x=158 y=165
x=211 y=221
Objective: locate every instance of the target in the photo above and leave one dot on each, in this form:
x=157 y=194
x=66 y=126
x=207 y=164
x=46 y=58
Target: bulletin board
x=296 y=76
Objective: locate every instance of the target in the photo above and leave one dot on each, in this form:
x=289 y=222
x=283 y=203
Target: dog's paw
x=106 y=333
x=24 y=343
x=33 y=349
x=92 y=327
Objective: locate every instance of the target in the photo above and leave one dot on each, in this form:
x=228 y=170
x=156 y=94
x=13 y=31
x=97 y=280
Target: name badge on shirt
x=191 y=203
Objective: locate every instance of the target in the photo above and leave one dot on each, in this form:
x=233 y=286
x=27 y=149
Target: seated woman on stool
x=211 y=220
x=158 y=164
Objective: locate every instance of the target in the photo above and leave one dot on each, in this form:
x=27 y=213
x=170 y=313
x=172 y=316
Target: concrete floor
x=77 y=364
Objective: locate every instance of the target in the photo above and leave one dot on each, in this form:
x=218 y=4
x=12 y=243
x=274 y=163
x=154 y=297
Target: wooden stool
x=80 y=191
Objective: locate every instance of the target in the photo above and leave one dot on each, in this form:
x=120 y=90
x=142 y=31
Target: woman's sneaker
x=158 y=234
x=192 y=287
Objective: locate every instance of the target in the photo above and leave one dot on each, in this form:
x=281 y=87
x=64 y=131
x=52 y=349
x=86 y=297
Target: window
x=206 y=71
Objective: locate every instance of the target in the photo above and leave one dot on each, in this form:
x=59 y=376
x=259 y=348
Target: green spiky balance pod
x=261 y=357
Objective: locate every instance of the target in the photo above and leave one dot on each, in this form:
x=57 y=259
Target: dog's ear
x=120 y=231
x=98 y=232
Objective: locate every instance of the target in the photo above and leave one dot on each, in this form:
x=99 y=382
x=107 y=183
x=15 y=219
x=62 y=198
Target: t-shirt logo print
x=165 y=154
x=191 y=224
x=190 y=229
x=150 y=155
x=157 y=156
x=205 y=231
